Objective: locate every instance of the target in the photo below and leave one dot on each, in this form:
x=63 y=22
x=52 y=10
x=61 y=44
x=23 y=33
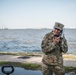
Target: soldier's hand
x=56 y=40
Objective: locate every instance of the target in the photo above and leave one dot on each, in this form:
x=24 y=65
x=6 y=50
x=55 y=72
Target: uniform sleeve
x=64 y=45
x=46 y=45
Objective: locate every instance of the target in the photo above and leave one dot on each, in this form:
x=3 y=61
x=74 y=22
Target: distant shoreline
x=31 y=28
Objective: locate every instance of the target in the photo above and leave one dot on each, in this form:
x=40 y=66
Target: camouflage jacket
x=52 y=54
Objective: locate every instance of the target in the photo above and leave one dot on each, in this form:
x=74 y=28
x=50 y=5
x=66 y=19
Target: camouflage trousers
x=49 y=70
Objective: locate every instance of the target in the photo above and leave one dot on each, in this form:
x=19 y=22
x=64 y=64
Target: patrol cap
x=58 y=26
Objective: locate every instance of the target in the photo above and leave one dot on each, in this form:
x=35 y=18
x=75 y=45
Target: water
x=29 y=40
x=22 y=71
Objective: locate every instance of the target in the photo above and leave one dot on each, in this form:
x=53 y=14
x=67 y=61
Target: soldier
x=53 y=45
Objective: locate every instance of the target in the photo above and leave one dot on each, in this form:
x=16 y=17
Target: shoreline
x=68 y=59
x=33 y=61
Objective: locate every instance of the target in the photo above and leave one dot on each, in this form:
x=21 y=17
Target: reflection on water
x=22 y=71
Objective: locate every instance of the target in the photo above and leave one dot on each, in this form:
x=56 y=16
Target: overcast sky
x=21 y=14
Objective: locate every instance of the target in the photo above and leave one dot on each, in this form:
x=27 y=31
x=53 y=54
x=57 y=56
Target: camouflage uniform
x=52 y=54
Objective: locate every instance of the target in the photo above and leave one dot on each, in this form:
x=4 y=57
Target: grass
x=21 y=53
x=8 y=53
x=68 y=69
x=23 y=65
x=69 y=56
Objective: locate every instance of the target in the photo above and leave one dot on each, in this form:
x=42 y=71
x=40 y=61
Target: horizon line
x=31 y=28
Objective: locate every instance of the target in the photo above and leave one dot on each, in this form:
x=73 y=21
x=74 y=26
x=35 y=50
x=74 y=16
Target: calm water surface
x=22 y=71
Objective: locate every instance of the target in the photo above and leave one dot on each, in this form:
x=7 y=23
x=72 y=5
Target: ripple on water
x=22 y=71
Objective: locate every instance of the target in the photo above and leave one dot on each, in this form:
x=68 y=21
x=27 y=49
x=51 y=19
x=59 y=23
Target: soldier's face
x=57 y=31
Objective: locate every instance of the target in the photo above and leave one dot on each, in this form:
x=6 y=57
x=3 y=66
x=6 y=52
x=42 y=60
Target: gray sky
x=21 y=14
